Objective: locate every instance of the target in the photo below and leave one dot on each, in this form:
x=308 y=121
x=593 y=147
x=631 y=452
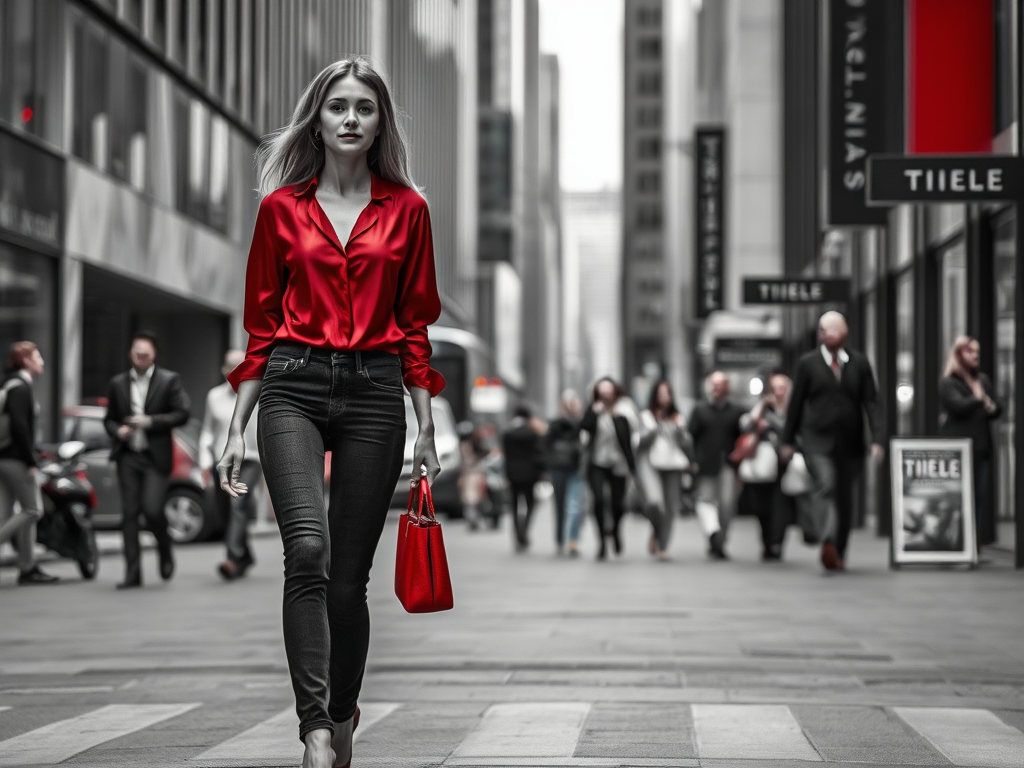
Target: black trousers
x=835 y=477
x=143 y=491
x=769 y=505
x=521 y=520
x=598 y=477
x=351 y=404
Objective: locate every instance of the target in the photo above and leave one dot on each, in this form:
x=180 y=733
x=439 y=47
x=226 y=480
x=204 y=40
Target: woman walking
x=340 y=289
x=609 y=459
x=19 y=475
x=965 y=395
x=768 y=419
x=562 y=450
x=661 y=460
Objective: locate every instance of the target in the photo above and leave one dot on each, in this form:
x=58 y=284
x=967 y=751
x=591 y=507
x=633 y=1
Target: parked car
x=192 y=511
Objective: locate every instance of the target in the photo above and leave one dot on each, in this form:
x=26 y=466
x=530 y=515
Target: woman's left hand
x=425 y=455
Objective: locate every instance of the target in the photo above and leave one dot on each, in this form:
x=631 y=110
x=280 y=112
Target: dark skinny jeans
x=351 y=404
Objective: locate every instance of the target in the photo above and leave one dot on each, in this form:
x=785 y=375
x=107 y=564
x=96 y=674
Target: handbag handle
x=416 y=504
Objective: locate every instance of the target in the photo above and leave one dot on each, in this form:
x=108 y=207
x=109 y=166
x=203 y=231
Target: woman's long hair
x=619 y=391
x=954 y=365
x=293 y=155
x=652 y=403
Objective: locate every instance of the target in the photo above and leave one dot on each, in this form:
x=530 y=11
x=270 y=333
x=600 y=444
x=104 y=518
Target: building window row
x=648 y=148
x=649 y=48
x=649 y=83
x=648 y=17
x=648 y=181
x=646 y=251
x=648 y=216
x=648 y=117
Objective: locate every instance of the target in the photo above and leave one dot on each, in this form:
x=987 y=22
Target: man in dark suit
x=524 y=465
x=143 y=405
x=833 y=390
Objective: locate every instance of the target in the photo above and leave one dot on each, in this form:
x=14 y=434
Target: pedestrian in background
x=661 y=460
x=143 y=405
x=20 y=480
x=220 y=404
x=340 y=287
x=715 y=427
x=968 y=410
x=768 y=419
x=609 y=459
x=563 y=454
x=472 y=480
x=524 y=467
x=833 y=390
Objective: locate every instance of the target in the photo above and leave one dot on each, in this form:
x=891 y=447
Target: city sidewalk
x=545 y=661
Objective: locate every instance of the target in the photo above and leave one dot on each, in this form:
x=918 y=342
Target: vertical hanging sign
x=709 y=200
x=858 y=87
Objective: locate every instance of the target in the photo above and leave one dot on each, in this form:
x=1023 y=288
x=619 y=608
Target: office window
x=132 y=14
x=649 y=83
x=648 y=17
x=219 y=172
x=647 y=251
x=648 y=117
x=649 y=149
x=126 y=78
x=648 y=181
x=648 y=217
x=649 y=48
x=158 y=24
x=31 y=76
x=90 y=130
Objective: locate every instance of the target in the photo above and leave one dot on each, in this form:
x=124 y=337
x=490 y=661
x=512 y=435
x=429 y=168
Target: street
x=545 y=661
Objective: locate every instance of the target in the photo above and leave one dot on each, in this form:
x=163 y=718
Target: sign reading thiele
x=775 y=290
x=709 y=198
x=896 y=179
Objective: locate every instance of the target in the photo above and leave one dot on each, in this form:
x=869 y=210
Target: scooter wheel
x=89 y=563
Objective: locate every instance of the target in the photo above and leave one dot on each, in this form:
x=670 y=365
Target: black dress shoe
x=133 y=584
x=36 y=576
x=166 y=565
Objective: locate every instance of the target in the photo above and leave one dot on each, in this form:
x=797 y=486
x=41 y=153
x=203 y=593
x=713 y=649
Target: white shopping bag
x=707 y=513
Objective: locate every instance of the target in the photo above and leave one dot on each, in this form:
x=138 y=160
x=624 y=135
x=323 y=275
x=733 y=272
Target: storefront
x=31 y=233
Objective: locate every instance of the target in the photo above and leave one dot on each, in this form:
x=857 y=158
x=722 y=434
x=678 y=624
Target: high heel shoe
x=355 y=724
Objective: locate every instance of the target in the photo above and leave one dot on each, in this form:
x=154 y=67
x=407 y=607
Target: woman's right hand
x=230 y=466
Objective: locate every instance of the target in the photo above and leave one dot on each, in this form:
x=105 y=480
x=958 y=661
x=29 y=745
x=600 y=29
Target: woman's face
x=664 y=396
x=349 y=120
x=971 y=356
x=780 y=388
x=606 y=392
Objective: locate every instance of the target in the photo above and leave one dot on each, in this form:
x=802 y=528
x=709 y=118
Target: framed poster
x=932 y=501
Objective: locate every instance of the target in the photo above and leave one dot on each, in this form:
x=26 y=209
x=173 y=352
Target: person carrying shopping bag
x=661 y=460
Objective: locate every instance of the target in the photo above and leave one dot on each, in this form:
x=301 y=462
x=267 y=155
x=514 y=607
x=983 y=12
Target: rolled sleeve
x=417 y=305
x=264 y=289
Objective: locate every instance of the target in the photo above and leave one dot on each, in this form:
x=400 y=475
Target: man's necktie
x=836 y=368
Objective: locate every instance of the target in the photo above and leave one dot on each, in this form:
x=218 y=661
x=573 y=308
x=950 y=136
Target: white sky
x=587 y=37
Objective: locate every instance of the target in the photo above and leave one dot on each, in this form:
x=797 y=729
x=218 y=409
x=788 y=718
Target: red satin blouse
x=377 y=292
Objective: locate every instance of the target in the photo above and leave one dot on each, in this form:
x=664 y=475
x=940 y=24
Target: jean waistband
x=355 y=357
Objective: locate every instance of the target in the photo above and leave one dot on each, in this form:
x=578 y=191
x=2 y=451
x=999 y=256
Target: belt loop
x=305 y=357
x=359 y=362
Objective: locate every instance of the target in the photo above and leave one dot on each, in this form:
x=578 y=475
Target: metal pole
x=1018 y=305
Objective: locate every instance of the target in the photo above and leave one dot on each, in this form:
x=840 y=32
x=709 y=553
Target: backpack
x=5 y=418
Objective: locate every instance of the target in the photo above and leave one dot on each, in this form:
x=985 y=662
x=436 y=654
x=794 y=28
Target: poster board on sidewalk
x=932 y=501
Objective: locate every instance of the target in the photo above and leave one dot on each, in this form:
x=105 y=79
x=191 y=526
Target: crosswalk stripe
x=750 y=731
x=968 y=737
x=548 y=729
x=277 y=738
x=58 y=741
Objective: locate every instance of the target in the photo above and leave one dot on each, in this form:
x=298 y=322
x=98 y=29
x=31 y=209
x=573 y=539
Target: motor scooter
x=68 y=503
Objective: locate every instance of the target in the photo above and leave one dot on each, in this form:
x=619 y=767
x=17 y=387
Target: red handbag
x=745 y=448
x=422 y=582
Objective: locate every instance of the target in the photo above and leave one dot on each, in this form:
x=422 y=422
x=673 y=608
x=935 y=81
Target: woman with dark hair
x=768 y=419
x=340 y=288
x=968 y=411
x=609 y=458
x=661 y=460
x=19 y=473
